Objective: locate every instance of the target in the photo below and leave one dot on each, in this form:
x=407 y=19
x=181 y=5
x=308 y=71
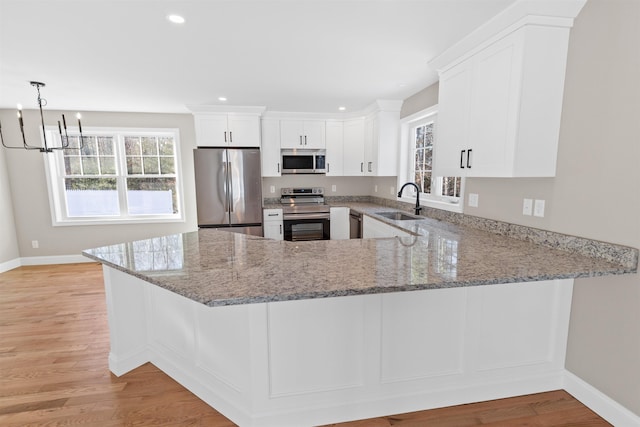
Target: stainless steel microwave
x=303 y=161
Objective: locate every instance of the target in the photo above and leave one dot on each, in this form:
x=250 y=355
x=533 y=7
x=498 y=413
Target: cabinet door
x=335 y=142
x=371 y=146
x=493 y=110
x=244 y=130
x=353 y=148
x=339 y=223
x=313 y=135
x=211 y=130
x=453 y=120
x=291 y=134
x=270 y=151
x=273 y=230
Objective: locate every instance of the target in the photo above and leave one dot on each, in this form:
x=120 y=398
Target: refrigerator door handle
x=230 y=180
x=225 y=184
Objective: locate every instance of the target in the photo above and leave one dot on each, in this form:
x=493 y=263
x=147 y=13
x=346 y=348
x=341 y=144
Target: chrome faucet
x=418 y=208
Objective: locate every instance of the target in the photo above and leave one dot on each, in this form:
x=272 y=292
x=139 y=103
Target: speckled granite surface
x=216 y=267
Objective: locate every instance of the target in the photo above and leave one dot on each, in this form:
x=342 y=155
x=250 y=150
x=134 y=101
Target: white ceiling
x=287 y=55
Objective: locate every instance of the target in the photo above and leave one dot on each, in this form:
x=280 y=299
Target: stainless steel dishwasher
x=355 y=225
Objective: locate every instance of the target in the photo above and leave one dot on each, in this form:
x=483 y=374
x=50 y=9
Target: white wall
x=29 y=187
x=8 y=240
x=596 y=192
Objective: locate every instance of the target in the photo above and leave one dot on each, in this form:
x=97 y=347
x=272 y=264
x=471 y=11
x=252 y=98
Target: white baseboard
x=10 y=265
x=599 y=402
x=54 y=259
x=43 y=260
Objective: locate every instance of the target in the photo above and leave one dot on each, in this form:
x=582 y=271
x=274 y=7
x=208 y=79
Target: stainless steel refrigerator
x=229 y=189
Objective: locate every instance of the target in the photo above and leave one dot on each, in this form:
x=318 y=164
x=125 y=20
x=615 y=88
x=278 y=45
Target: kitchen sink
x=397 y=216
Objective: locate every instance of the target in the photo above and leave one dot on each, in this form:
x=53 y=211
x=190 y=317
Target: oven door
x=304 y=227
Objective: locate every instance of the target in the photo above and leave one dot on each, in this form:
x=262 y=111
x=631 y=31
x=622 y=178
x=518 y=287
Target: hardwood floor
x=54 y=344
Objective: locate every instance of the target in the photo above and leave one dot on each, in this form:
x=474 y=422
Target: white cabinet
x=372 y=228
x=273 y=224
x=335 y=148
x=353 y=148
x=227 y=129
x=499 y=108
x=302 y=134
x=339 y=223
x=270 y=151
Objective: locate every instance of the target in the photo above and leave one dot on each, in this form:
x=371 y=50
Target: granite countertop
x=216 y=267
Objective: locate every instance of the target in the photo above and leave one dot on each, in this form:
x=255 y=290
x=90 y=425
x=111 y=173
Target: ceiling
x=287 y=55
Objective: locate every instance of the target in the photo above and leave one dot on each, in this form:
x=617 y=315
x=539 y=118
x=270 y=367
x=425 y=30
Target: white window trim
x=56 y=196
x=406 y=165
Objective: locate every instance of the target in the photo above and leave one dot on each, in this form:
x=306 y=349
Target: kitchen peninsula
x=283 y=333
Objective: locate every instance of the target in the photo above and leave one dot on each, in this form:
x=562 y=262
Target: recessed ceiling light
x=176 y=19
x=222 y=98
x=342 y=108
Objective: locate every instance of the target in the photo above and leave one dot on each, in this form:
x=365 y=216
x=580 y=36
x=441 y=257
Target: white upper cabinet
x=270 y=151
x=335 y=147
x=500 y=101
x=308 y=134
x=217 y=128
x=382 y=136
x=353 y=148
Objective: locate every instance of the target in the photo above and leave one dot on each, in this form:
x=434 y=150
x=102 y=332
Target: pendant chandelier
x=44 y=148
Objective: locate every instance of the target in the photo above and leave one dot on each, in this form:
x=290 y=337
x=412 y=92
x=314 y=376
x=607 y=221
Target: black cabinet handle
x=230 y=136
x=361 y=167
x=305 y=140
x=278 y=167
x=461 y=158
x=469 y=158
x=225 y=136
x=300 y=139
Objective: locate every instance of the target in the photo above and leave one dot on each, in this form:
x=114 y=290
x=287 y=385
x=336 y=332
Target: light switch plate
x=538 y=208
x=527 y=207
x=473 y=200
x=333 y=188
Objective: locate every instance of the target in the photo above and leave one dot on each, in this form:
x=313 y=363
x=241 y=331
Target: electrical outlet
x=527 y=207
x=473 y=200
x=35 y=244
x=333 y=188
x=272 y=189
x=375 y=188
x=538 y=208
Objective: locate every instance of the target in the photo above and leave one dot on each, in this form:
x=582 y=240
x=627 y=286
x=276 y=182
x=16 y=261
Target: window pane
x=451 y=186
x=427 y=182
x=428 y=158
x=134 y=165
x=91 y=197
x=419 y=160
x=149 y=146
x=132 y=146
x=420 y=137
x=428 y=135
x=167 y=165
x=90 y=166
x=105 y=145
x=151 y=165
x=166 y=146
x=74 y=143
x=90 y=147
x=148 y=196
x=108 y=165
x=72 y=166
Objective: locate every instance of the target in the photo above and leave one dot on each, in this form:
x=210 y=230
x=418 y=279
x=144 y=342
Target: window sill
x=115 y=221
x=436 y=204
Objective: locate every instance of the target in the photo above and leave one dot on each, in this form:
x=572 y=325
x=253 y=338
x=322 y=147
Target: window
x=116 y=176
x=418 y=142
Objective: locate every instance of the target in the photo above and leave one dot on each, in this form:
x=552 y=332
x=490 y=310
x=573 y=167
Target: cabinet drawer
x=272 y=214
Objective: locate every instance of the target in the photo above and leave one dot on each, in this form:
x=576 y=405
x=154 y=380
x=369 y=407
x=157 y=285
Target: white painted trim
x=519 y=14
x=54 y=259
x=599 y=402
x=228 y=109
x=10 y=265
